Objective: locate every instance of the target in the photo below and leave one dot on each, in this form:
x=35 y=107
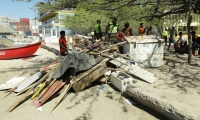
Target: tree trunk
x=188 y=30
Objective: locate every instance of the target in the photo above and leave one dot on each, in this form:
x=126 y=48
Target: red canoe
x=18 y=52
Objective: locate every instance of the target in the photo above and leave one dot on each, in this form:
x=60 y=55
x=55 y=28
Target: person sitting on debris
x=126 y=31
x=63 y=43
x=182 y=40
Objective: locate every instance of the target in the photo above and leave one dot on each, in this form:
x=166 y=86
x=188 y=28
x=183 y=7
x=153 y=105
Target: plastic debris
x=130 y=101
x=39 y=108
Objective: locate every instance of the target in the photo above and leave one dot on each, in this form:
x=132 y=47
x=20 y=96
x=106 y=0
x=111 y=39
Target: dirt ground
x=89 y=104
x=178 y=83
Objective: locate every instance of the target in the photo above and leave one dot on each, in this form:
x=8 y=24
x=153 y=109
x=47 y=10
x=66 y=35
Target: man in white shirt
x=183 y=41
x=40 y=36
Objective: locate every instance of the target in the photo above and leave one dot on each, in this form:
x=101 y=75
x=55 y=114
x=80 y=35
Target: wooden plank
x=43 y=91
x=15 y=104
x=52 y=93
x=78 y=78
x=134 y=70
x=91 y=77
x=50 y=90
x=63 y=93
x=29 y=81
x=38 y=91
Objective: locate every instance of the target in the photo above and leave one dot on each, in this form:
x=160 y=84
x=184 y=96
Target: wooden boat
x=18 y=52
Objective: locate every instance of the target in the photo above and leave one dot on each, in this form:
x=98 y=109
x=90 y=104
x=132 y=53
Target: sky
x=16 y=9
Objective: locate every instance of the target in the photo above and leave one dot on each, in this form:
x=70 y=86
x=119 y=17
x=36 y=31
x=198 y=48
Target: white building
x=52 y=22
x=4 y=20
x=34 y=26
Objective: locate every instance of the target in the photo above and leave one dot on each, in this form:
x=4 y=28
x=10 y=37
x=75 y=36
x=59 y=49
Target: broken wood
x=63 y=93
x=13 y=106
x=38 y=91
x=84 y=80
x=50 y=90
x=117 y=69
x=104 y=79
x=52 y=93
x=44 y=90
x=134 y=70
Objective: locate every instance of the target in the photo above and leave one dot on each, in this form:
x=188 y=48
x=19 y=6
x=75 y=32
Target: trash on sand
x=130 y=101
x=39 y=108
x=107 y=73
x=81 y=101
x=101 y=88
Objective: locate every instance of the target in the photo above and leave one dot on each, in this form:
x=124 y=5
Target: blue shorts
x=172 y=41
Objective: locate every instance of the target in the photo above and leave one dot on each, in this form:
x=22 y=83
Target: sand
x=89 y=104
x=178 y=84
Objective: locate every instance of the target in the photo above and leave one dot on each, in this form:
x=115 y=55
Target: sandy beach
x=89 y=104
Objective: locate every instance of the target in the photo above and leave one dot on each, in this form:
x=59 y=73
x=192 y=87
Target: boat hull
x=18 y=52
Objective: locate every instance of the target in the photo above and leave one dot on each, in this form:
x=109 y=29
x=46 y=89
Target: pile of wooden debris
x=41 y=87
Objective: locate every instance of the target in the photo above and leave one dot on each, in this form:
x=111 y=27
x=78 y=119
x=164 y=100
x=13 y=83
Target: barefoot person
x=63 y=43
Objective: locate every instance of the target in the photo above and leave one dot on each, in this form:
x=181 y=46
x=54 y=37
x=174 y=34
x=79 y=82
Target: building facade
x=180 y=21
x=4 y=20
x=52 y=22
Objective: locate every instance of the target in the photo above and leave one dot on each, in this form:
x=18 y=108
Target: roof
x=48 y=15
x=6 y=29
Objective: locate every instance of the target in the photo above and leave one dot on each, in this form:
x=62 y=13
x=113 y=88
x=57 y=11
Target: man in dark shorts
x=172 y=38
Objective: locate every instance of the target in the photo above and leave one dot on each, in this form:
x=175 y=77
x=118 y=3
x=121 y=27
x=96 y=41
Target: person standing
x=126 y=31
x=40 y=36
x=195 y=42
x=141 y=29
x=63 y=43
x=112 y=30
x=172 y=37
x=165 y=35
x=97 y=30
x=150 y=31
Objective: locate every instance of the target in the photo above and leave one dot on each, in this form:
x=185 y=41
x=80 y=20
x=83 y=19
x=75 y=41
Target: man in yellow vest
x=97 y=30
x=165 y=35
x=112 y=30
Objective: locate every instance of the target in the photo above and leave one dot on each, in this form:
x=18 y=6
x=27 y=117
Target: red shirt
x=63 y=42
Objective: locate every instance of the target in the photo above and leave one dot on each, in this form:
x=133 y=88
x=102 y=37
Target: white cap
x=173 y=26
x=166 y=28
